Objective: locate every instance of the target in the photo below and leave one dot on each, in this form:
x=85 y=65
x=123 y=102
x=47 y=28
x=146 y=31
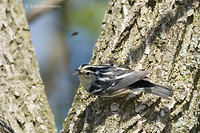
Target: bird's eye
x=87 y=73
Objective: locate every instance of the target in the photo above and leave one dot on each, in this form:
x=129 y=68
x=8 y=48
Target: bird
x=111 y=81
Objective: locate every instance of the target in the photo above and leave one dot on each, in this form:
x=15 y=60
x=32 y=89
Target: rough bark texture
x=23 y=104
x=162 y=36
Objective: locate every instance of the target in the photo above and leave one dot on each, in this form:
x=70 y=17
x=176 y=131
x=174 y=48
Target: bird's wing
x=111 y=81
x=129 y=77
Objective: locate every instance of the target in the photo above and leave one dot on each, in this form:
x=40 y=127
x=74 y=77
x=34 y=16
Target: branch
x=42 y=8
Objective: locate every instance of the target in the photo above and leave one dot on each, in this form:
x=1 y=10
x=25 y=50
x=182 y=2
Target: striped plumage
x=109 y=81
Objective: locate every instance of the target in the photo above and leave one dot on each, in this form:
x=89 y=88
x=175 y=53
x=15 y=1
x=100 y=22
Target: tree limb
x=160 y=36
x=41 y=8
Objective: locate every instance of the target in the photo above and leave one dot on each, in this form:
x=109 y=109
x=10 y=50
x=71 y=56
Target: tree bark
x=162 y=36
x=23 y=104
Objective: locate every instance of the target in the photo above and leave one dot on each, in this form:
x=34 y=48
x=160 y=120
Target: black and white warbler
x=109 y=81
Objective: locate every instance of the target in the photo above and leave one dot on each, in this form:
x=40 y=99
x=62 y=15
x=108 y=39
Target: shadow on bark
x=167 y=21
x=125 y=109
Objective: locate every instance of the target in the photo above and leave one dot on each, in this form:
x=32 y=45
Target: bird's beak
x=77 y=72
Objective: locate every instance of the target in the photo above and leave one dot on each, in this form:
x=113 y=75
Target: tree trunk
x=23 y=104
x=162 y=36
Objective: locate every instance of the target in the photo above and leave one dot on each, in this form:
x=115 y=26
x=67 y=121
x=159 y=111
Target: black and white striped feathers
x=108 y=81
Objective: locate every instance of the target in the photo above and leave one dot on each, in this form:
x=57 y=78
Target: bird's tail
x=159 y=90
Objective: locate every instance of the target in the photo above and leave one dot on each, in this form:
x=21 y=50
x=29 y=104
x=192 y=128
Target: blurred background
x=63 y=33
